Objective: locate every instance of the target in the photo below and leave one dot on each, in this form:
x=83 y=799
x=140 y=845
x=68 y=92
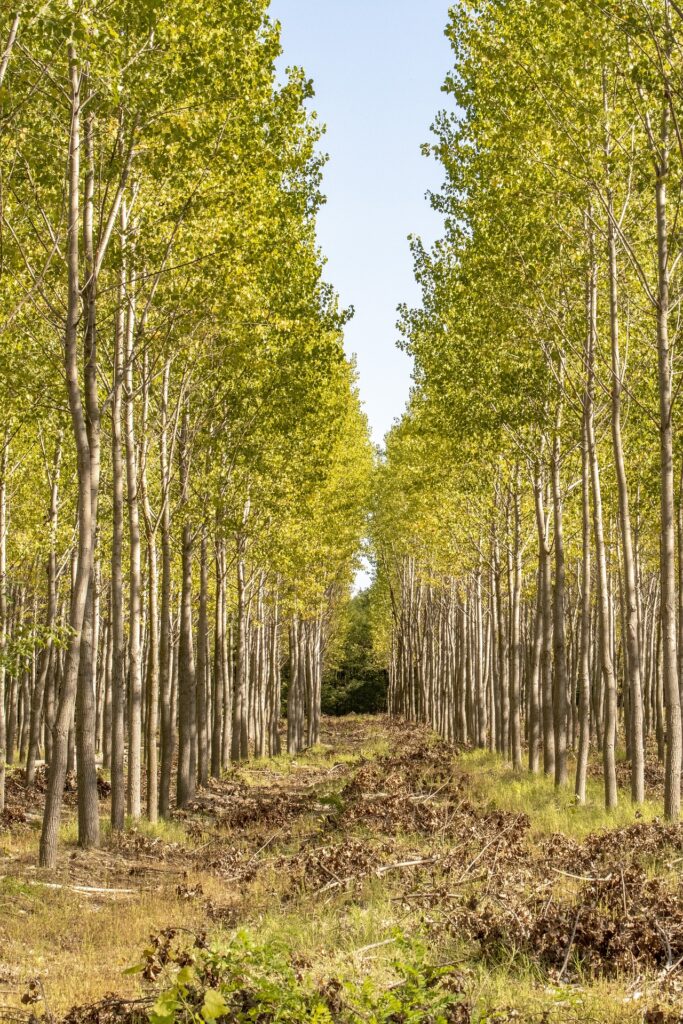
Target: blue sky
x=378 y=67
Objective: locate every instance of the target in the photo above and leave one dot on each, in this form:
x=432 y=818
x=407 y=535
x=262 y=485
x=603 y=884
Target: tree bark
x=559 y=693
x=165 y=639
x=133 y=791
x=604 y=630
x=152 y=679
x=516 y=648
x=203 y=668
x=186 y=781
x=47 y=652
x=88 y=806
x=240 y=736
x=4 y=458
x=118 y=798
x=217 y=722
x=545 y=582
x=57 y=774
x=672 y=779
x=585 y=637
x=633 y=660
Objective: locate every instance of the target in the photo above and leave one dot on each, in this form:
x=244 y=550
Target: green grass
x=82 y=946
x=551 y=810
x=168 y=831
x=535 y=1000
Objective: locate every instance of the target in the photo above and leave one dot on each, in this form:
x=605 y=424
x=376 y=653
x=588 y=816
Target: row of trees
x=183 y=461
x=528 y=522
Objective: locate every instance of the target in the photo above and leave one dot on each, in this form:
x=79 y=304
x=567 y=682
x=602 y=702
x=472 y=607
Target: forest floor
x=401 y=881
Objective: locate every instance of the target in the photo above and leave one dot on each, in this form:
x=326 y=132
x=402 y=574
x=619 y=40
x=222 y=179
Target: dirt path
x=379 y=831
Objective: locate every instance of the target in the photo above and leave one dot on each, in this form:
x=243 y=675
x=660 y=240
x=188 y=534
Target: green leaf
x=214 y=1006
x=164 y=1010
x=185 y=977
x=135 y=969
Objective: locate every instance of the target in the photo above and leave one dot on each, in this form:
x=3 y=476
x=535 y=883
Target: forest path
x=382 y=839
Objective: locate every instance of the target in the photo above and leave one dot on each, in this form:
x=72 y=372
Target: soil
x=608 y=907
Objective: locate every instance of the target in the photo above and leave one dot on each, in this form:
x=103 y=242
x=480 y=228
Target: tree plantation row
x=184 y=465
x=186 y=475
x=528 y=517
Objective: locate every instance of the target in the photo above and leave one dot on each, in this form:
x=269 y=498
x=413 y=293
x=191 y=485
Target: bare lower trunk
x=534 y=702
x=585 y=637
x=186 y=680
x=516 y=647
x=186 y=781
x=46 y=654
x=106 y=710
x=559 y=640
x=88 y=807
x=4 y=455
x=672 y=778
x=294 y=696
x=133 y=792
x=482 y=723
x=152 y=676
x=545 y=584
x=633 y=659
x=165 y=642
x=240 y=737
x=118 y=797
x=218 y=671
x=228 y=683
x=604 y=630
x=203 y=669
x=153 y=683
x=57 y=774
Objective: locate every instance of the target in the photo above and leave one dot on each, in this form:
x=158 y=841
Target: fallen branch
x=623 y=893
x=88 y=890
x=569 y=947
x=374 y=945
x=424 y=798
x=91 y=890
x=667 y=946
x=405 y=864
x=267 y=843
x=496 y=839
x=581 y=878
x=435 y=894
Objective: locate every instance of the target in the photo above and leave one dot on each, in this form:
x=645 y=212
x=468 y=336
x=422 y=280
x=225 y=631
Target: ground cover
x=381 y=877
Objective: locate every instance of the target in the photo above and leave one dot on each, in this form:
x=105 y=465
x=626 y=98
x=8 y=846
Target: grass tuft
x=551 y=810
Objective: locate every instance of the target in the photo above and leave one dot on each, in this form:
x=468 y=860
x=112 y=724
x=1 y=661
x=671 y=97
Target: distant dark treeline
x=357 y=684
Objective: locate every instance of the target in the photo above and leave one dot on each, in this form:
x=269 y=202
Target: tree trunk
x=585 y=639
x=133 y=791
x=186 y=781
x=672 y=779
x=559 y=643
x=633 y=660
x=240 y=736
x=203 y=668
x=106 y=710
x=217 y=722
x=88 y=806
x=118 y=683
x=604 y=630
x=4 y=458
x=67 y=699
x=534 y=713
x=47 y=652
x=516 y=616
x=545 y=581
x=165 y=640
